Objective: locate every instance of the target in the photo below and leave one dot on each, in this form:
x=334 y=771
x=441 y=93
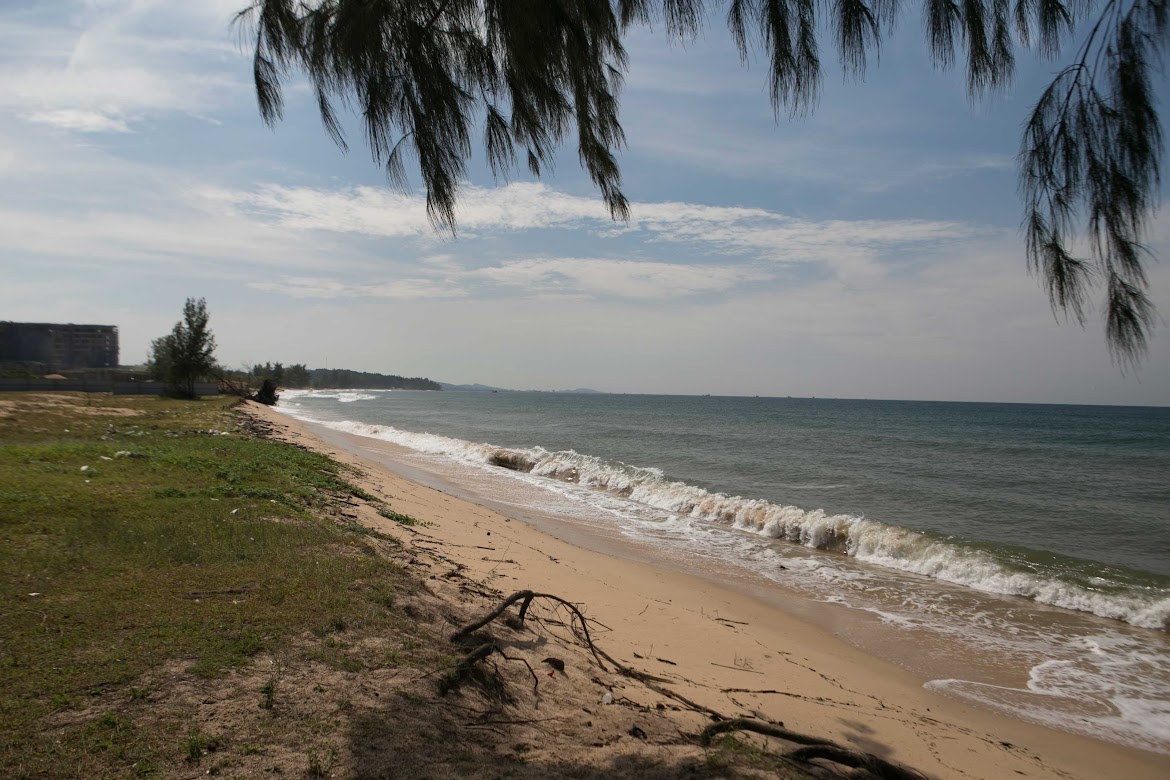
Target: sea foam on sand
x=736 y=653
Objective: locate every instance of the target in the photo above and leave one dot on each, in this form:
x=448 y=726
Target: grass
x=320 y=763
x=197 y=744
x=731 y=751
x=198 y=548
x=398 y=517
x=268 y=694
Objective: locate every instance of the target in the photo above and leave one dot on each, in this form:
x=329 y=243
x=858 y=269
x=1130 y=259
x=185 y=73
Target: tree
x=296 y=375
x=424 y=73
x=187 y=353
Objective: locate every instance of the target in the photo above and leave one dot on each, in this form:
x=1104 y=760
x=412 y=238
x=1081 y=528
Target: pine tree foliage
x=186 y=354
x=1090 y=160
x=427 y=76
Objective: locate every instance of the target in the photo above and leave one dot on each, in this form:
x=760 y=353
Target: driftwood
x=240 y=388
x=267 y=393
x=865 y=765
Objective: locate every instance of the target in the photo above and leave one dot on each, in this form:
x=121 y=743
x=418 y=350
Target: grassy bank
x=186 y=595
x=142 y=534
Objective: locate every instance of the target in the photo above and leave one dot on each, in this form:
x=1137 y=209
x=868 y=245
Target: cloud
x=729 y=232
x=303 y=287
x=377 y=211
x=328 y=288
x=644 y=280
x=414 y=289
x=576 y=277
x=80 y=120
x=372 y=243
x=109 y=65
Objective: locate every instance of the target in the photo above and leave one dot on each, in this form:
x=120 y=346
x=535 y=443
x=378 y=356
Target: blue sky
x=868 y=250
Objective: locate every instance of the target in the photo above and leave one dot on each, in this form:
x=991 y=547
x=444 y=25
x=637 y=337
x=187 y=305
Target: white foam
x=1104 y=686
x=342 y=396
x=1102 y=675
x=866 y=540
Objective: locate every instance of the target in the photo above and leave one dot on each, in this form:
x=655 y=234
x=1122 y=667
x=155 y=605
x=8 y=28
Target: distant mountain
x=478 y=388
x=475 y=388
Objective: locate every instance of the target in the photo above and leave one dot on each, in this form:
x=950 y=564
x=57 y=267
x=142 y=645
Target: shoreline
x=728 y=649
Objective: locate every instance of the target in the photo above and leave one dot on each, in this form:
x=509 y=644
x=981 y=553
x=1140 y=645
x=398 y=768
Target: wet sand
x=724 y=647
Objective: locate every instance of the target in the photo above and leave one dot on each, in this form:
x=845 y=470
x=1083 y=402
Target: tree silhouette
x=187 y=353
x=425 y=74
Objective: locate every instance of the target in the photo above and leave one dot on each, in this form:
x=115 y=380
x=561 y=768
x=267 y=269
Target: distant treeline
x=298 y=376
x=281 y=375
x=340 y=377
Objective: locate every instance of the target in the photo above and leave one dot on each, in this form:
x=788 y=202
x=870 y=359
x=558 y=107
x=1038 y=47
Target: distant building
x=60 y=346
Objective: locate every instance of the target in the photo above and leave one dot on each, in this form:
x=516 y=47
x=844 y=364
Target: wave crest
x=877 y=543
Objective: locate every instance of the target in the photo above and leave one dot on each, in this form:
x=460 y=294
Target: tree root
x=579 y=624
x=474 y=657
x=814 y=747
x=865 y=765
x=758 y=727
x=463 y=670
x=526 y=597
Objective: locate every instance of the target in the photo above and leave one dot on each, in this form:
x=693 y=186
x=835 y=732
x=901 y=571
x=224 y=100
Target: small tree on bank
x=187 y=353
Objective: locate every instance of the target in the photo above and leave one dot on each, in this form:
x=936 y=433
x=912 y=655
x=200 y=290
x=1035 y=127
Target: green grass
x=268 y=694
x=203 y=549
x=398 y=517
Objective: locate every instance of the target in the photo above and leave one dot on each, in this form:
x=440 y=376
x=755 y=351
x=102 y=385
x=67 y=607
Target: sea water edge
x=1070 y=642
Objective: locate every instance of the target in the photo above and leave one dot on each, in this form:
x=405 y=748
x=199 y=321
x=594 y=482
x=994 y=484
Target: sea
x=1015 y=556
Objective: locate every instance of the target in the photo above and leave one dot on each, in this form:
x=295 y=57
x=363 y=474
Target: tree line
x=298 y=376
x=186 y=356
x=364 y=380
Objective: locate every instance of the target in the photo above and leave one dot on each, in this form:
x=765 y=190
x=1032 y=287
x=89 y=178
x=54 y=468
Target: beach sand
x=717 y=647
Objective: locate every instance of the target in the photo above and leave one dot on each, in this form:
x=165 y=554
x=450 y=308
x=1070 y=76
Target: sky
x=869 y=250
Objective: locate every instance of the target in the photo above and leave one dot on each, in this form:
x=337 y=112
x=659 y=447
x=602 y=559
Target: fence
x=8 y=384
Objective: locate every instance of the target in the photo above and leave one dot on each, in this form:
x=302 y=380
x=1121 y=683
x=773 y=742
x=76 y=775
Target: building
x=60 y=347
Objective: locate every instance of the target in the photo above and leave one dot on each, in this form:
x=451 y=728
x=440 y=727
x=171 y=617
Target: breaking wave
x=342 y=396
x=1067 y=583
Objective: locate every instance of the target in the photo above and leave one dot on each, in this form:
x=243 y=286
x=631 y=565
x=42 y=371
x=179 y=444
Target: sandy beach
x=715 y=646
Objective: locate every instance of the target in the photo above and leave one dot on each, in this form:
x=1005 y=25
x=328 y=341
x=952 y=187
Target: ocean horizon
x=450 y=387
